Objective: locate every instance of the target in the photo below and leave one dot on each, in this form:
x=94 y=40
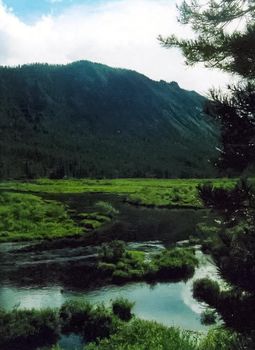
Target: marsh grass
x=25 y=216
x=20 y=328
x=104 y=329
x=148 y=192
x=142 y=335
x=120 y=265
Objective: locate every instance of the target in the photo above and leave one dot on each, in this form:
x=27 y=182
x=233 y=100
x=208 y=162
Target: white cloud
x=118 y=33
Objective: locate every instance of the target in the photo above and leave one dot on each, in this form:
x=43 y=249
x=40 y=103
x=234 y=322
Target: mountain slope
x=87 y=119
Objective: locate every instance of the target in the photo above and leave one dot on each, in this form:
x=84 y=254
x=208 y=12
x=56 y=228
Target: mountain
x=89 y=120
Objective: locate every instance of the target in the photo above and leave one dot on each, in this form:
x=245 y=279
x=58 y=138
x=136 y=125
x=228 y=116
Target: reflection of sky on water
x=167 y=303
x=37 y=298
x=162 y=302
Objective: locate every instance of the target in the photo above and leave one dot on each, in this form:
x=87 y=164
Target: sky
x=119 y=33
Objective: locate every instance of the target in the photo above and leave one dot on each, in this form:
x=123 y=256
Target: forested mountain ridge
x=89 y=120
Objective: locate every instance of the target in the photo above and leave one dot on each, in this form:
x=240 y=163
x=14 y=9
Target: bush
x=87 y=320
x=176 y=263
x=74 y=315
x=120 y=276
x=221 y=339
x=208 y=317
x=143 y=335
x=112 y=252
x=206 y=290
x=122 y=308
x=106 y=269
x=22 y=328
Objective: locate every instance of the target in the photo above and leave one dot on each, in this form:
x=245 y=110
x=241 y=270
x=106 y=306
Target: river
x=39 y=276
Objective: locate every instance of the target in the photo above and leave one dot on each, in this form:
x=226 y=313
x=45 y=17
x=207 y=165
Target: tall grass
x=149 y=192
x=29 y=217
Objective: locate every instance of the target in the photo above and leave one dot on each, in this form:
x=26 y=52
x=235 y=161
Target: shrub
x=112 y=252
x=87 y=320
x=176 y=263
x=22 y=328
x=206 y=290
x=106 y=269
x=221 y=339
x=208 y=317
x=120 y=276
x=122 y=308
x=74 y=314
x=141 y=335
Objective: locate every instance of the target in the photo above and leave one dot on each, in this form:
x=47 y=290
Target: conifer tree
x=225 y=39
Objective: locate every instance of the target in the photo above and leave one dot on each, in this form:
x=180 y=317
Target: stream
x=34 y=276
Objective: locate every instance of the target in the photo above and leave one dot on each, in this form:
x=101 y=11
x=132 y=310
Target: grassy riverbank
x=29 y=217
x=25 y=214
x=110 y=328
x=150 y=192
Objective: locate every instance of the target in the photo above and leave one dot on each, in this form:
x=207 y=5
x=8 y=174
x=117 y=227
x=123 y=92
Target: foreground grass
x=29 y=217
x=149 y=192
x=147 y=335
x=102 y=329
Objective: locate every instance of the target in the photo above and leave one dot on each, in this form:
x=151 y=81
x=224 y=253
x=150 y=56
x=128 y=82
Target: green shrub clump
x=208 y=317
x=120 y=265
x=175 y=263
x=206 y=290
x=87 y=320
x=122 y=308
x=20 y=328
x=141 y=335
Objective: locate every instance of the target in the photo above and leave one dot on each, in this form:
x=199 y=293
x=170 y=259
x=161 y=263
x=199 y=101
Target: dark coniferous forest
x=89 y=120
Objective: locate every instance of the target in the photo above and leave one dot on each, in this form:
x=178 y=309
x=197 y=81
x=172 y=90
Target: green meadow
x=29 y=217
x=151 y=192
x=26 y=215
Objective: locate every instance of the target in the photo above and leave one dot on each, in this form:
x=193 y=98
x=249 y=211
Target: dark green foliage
x=112 y=252
x=145 y=335
x=236 y=309
x=141 y=335
x=235 y=112
x=118 y=265
x=30 y=329
x=87 y=320
x=122 y=308
x=208 y=317
x=206 y=290
x=234 y=250
x=26 y=328
x=224 y=339
x=214 y=44
x=107 y=269
x=231 y=199
x=177 y=263
x=90 y=120
x=234 y=254
x=217 y=44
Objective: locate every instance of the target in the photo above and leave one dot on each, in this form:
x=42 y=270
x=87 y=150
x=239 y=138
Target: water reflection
x=46 y=275
x=168 y=303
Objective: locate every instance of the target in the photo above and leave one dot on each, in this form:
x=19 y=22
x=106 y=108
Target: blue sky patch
x=30 y=10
